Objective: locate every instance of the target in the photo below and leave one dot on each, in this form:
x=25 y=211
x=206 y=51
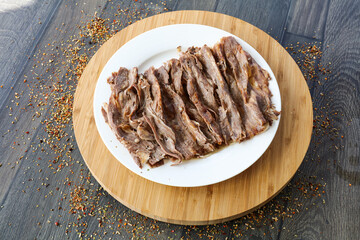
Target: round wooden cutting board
x=218 y=202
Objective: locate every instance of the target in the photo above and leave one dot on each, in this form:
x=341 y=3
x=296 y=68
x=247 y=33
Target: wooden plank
x=21 y=25
x=20 y=32
x=270 y=16
x=298 y=42
x=18 y=121
x=209 y=5
x=308 y=18
x=332 y=158
x=336 y=219
x=18 y=159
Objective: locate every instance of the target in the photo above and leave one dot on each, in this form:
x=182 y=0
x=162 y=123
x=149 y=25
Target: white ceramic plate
x=152 y=48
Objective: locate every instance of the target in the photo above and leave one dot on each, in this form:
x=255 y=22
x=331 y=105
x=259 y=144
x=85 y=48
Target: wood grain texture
x=23 y=118
x=270 y=16
x=308 y=17
x=209 y=5
x=31 y=214
x=22 y=24
x=210 y=204
x=20 y=32
x=335 y=159
x=18 y=168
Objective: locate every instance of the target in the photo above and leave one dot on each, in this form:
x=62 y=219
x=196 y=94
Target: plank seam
x=176 y=5
x=285 y=24
x=325 y=22
x=302 y=36
x=216 y=5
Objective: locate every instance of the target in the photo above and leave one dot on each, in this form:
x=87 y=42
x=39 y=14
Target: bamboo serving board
x=218 y=202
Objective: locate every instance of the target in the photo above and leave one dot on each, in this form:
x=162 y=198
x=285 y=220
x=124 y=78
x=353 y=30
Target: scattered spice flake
x=307 y=56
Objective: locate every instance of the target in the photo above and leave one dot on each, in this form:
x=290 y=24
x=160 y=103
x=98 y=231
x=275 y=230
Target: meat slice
x=176 y=73
x=236 y=58
x=179 y=85
x=154 y=114
x=194 y=69
x=201 y=93
x=229 y=115
x=188 y=131
x=141 y=150
x=251 y=115
x=257 y=77
x=203 y=111
x=119 y=81
x=259 y=81
x=185 y=142
x=124 y=115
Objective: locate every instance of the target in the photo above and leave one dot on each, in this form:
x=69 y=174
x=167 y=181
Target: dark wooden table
x=46 y=191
